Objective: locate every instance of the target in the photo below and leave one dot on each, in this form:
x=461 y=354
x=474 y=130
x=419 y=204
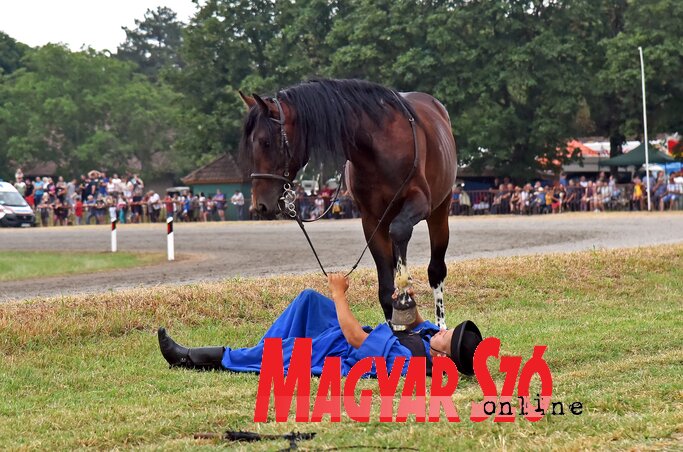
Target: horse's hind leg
x=415 y=209
x=438 y=238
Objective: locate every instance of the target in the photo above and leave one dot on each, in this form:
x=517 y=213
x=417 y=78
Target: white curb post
x=169 y=239
x=113 y=235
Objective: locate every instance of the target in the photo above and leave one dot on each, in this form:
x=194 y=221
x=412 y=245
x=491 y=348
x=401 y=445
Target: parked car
x=14 y=210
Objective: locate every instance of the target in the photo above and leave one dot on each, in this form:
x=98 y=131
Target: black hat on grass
x=466 y=337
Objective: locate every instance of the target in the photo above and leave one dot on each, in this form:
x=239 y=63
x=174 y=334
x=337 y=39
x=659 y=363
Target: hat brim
x=461 y=353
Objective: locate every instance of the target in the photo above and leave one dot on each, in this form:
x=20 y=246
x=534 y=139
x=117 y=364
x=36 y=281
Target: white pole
x=647 y=157
x=169 y=239
x=113 y=235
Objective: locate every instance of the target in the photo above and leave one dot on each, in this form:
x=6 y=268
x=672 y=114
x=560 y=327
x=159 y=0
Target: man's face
x=440 y=344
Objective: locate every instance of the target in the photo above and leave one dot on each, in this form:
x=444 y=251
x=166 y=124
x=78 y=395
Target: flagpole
x=647 y=156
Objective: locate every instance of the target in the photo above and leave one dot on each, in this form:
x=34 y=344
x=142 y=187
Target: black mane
x=328 y=112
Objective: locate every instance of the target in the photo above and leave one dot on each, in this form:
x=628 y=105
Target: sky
x=94 y=23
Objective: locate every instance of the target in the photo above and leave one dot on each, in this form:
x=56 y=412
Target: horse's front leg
x=415 y=209
x=383 y=255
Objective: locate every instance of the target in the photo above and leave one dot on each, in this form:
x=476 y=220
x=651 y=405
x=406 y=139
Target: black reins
x=289 y=196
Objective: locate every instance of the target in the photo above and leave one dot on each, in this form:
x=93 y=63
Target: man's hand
x=338 y=284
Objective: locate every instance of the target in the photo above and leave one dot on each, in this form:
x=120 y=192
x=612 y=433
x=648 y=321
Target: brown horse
x=396 y=145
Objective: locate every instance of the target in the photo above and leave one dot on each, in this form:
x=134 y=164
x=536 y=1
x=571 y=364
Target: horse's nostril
x=263 y=208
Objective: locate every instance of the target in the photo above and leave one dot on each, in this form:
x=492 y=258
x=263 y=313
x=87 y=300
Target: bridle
x=289 y=195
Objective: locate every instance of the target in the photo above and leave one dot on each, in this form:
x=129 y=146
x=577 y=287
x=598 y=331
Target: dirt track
x=217 y=250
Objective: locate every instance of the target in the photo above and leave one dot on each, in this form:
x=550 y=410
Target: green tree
x=512 y=75
x=224 y=49
x=653 y=25
x=11 y=53
x=154 y=43
x=83 y=110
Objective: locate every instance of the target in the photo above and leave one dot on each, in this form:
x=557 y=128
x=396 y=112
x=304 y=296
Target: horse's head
x=267 y=149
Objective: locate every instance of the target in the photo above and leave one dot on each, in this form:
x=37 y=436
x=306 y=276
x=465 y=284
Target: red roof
x=223 y=170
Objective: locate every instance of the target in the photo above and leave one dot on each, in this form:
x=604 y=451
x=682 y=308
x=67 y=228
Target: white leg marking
x=440 y=313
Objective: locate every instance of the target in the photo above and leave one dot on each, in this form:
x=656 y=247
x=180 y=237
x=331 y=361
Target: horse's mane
x=328 y=112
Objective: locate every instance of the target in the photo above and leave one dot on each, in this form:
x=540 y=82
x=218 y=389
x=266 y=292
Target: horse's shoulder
x=424 y=101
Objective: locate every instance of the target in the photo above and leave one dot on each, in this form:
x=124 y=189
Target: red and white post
x=170 y=245
x=113 y=235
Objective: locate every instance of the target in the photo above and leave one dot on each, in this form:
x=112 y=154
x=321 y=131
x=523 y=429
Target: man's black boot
x=204 y=358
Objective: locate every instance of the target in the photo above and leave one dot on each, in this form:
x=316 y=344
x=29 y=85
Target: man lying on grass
x=334 y=332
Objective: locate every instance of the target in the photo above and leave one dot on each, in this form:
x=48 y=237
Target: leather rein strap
x=284 y=144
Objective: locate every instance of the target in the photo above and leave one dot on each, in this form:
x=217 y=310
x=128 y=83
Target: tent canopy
x=636 y=157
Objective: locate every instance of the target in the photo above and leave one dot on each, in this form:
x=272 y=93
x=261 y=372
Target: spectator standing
x=525 y=199
x=186 y=206
x=194 y=207
x=556 y=201
x=637 y=197
x=78 y=210
x=44 y=208
x=496 y=204
x=111 y=208
x=455 y=200
x=237 y=200
x=50 y=188
x=169 y=206
x=539 y=199
x=61 y=212
x=100 y=209
x=549 y=198
x=136 y=205
x=38 y=191
x=671 y=195
x=71 y=188
x=571 y=201
x=20 y=185
x=154 y=203
x=515 y=199
x=202 y=207
x=29 y=196
x=61 y=190
x=210 y=209
x=104 y=182
x=658 y=188
x=121 y=209
x=219 y=200
x=90 y=207
x=319 y=208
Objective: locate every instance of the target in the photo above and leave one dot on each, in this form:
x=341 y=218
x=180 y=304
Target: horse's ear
x=249 y=101
x=261 y=103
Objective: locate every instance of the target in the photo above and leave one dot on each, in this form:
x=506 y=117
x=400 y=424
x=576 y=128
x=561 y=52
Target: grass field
x=86 y=372
x=23 y=265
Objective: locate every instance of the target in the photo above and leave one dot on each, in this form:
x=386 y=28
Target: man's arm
x=351 y=328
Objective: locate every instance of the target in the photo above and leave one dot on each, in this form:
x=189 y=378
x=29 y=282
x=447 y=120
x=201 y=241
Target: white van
x=14 y=210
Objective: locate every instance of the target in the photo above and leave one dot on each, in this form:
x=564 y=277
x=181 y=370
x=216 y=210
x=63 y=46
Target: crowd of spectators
x=96 y=198
x=570 y=195
x=323 y=204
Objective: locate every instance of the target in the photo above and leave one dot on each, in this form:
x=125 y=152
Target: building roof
x=222 y=170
